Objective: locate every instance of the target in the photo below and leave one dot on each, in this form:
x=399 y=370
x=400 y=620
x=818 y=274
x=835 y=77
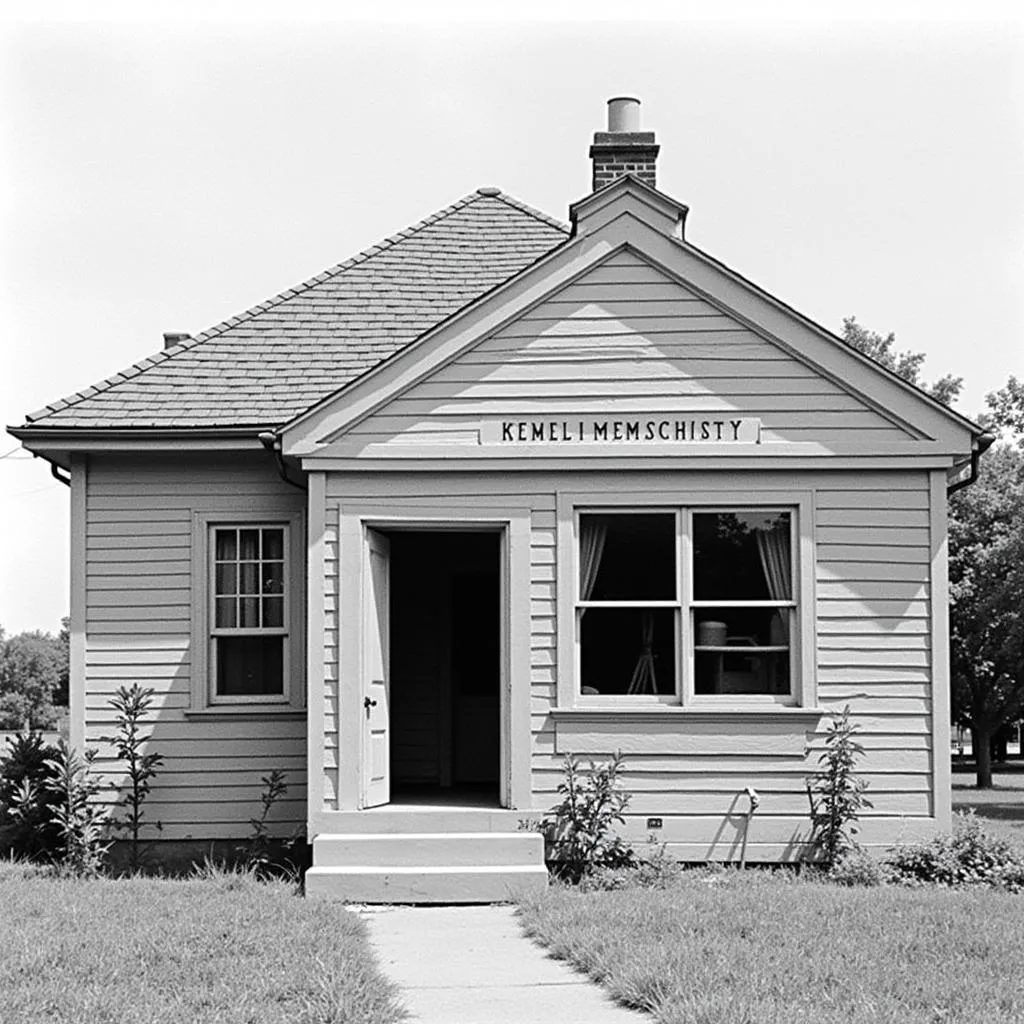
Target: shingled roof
x=267 y=365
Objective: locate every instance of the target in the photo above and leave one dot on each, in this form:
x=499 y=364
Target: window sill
x=663 y=712
x=243 y=714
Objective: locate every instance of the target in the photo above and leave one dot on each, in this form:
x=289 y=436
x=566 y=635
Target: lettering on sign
x=536 y=430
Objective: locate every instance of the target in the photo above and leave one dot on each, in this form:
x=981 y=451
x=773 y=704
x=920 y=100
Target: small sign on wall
x=641 y=430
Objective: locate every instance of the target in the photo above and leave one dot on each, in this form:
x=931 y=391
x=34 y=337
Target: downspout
x=985 y=441
x=272 y=443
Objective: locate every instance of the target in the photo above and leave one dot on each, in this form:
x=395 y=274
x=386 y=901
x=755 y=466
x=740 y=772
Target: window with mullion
x=628 y=610
x=250 y=614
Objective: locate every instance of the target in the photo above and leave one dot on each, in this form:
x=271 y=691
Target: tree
x=986 y=575
x=30 y=673
x=905 y=364
x=1006 y=415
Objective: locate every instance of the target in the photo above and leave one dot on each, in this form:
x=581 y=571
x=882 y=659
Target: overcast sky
x=164 y=174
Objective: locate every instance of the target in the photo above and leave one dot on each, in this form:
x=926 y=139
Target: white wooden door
x=376 y=675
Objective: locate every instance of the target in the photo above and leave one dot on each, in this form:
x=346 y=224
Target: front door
x=376 y=688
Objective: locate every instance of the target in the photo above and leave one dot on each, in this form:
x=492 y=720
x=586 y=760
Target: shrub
x=857 y=868
x=580 y=835
x=835 y=792
x=968 y=856
x=655 y=870
x=27 y=828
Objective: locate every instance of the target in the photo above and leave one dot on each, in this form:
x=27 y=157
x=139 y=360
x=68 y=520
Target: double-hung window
x=249 y=613
x=692 y=605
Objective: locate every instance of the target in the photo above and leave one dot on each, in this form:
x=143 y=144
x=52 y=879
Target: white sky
x=162 y=172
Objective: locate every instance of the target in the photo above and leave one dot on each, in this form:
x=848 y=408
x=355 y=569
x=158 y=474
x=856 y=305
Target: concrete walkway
x=472 y=965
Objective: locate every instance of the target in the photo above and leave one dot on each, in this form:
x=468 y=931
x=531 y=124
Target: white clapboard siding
x=625 y=339
x=873 y=605
x=139 y=594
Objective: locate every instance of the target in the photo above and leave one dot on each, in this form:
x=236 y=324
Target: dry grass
x=763 y=948
x=220 y=950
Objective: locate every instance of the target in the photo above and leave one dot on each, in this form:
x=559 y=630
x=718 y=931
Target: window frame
x=803 y=683
x=205 y=698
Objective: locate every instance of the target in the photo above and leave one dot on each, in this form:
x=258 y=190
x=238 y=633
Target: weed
x=580 y=834
x=81 y=824
x=131 y=704
x=836 y=793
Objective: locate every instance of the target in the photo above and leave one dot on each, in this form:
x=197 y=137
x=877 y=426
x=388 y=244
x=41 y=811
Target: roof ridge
x=540 y=215
x=217 y=329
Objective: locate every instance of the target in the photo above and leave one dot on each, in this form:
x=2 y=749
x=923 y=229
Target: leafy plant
x=131 y=704
x=835 y=793
x=27 y=828
x=82 y=825
x=967 y=856
x=257 y=852
x=580 y=832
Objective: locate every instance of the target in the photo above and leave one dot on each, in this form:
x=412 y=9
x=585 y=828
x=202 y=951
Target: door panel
x=376 y=675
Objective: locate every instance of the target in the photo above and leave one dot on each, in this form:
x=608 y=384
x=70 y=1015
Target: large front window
x=685 y=604
x=249 y=612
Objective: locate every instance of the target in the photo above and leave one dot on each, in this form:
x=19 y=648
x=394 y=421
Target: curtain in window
x=593 y=534
x=643 y=680
x=773 y=547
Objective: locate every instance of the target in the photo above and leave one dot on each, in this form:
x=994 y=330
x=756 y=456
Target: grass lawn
x=1002 y=806
x=767 y=948
x=227 y=950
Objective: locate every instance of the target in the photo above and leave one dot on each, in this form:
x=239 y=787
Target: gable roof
x=272 y=362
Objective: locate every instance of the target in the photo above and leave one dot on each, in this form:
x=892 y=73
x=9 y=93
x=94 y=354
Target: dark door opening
x=445 y=666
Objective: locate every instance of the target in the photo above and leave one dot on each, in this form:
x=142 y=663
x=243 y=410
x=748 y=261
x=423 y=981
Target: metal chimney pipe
x=624 y=114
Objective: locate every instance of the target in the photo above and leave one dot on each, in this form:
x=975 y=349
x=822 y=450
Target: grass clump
x=777 y=948
x=224 y=949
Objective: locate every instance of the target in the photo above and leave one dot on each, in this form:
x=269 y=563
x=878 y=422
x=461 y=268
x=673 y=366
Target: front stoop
x=449 y=867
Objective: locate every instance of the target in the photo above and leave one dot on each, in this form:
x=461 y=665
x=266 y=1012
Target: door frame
x=513 y=524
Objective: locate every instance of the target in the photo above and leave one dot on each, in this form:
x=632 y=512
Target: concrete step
x=481 y=883
x=423 y=819
x=432 y=849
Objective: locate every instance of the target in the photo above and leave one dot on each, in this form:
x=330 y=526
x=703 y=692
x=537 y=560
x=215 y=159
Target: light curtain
x=776 y=562
x=643 y=680
x=593 y=534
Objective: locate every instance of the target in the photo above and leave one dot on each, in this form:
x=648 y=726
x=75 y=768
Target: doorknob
x=368 y=703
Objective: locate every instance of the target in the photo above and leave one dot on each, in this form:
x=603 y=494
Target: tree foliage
x=33 y=667
x=1006 y=411
x=986 y=574
x=905 y=364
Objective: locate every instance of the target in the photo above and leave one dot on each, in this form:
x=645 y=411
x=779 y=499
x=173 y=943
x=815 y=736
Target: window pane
x=249 y=544
x=742 y=556
x=273 y=544
x=628 y=650
x=628 y=557
x=226 y=578
x=226 y=613
x=250 y=666
x=726 y=655
x=226 y=545
x=273 y=612
x=249 y=612
x=273 y=578
x=249 y=574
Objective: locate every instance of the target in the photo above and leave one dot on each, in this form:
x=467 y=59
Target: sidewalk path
x=473 y=965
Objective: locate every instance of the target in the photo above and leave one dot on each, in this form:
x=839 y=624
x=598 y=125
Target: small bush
x=580 y=835
x=858 y=868
x=969 y=856
x=81 y=824
x=27 y=826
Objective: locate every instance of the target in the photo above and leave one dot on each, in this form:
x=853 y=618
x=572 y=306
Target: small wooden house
x=499 y=490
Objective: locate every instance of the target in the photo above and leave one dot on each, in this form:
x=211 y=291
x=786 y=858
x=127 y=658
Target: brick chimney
x=623 y=149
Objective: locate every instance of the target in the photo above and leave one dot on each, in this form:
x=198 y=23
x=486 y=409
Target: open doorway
x=445 y=667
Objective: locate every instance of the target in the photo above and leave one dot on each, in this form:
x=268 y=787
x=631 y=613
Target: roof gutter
x=982 y=444
x=272 y=443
